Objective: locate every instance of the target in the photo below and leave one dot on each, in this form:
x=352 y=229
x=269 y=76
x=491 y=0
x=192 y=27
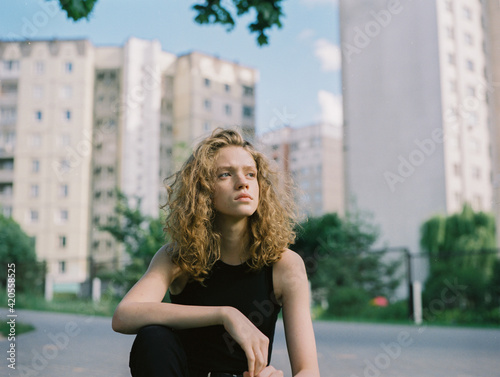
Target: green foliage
x=77 y=9
x=460 y=240
x=464 y=268
x=142 y=236
x=16 y=247
x=340 y=266
x=268 y=13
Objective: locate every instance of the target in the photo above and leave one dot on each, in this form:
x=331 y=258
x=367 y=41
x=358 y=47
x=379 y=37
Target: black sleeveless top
x=211 y=348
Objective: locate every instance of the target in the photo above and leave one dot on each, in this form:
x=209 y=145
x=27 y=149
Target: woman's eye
x=222 y=175
x=252 y=175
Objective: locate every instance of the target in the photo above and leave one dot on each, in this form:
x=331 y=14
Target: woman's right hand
x=253 y=342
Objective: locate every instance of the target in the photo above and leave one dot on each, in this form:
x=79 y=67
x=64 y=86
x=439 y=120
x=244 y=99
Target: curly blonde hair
x=195 y=243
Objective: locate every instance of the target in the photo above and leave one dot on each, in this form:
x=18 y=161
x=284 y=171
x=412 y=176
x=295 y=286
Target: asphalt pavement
x=69 y=345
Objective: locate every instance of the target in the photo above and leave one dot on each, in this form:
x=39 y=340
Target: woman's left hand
x=269 y=371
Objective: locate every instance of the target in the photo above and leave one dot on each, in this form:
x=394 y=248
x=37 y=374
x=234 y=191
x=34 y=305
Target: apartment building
x=78 y=121
x=492 y=12
x=416 y=110
x=312 y=157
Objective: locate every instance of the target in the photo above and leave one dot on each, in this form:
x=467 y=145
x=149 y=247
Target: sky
x=299 y=70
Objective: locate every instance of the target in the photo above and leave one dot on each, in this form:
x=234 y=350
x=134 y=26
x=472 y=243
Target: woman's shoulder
x=287 y=272
x=290 y=260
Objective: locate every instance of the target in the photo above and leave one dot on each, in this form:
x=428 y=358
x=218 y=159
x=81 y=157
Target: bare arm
x=294 y=289
x=142 y=305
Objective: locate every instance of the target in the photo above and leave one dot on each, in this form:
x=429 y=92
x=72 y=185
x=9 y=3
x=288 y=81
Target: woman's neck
x=234 y=240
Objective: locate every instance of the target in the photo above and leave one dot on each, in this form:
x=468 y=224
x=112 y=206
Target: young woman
x=228 y=271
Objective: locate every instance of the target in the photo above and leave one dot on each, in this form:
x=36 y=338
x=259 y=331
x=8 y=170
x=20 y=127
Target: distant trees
x=340 y=265
x=268 y=13
x=141 y=236
x=462 y=253
x=17 y=248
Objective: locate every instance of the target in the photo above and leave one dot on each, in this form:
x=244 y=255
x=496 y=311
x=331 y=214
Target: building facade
x=78 y=122
x=416 y=110
x=312 y=157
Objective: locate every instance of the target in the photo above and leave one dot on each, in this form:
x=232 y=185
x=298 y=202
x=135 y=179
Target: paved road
x=66 y=345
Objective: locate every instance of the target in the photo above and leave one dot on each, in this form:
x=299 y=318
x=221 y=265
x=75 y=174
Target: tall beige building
x=416 y=108
x=78 y=121
x=312 y=157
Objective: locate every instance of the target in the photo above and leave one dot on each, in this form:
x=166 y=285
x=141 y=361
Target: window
x=34 y=191
x=11 y=65
x=247 y=90
x=8 y=114
x=62 y=241
x=63 y=190
x=65 y=140
x=467 y=13
x=68 y=67
x=9 y=89
x=35 y=140
x=227 y=88
x=33 y=215
x=470 y=91
x=451 y=59
x=468 y=39
x=63 y=215
x=38 y=115
x=39 y=68
x=66 y=92
x=470 y=65
x=247 y=111
x=457 y=170
x=35 y=166
x=206 y=82
x=67 y=115
x=62 y=267
x=207 y=104
x=206 y=126
x=7 y=211
x=227 y=109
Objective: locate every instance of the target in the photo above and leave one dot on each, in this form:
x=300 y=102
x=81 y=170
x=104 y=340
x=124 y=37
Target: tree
x=17 y=248
x=141 y=235
x=461 y=240
x=268 y=13
x=340 y=265
x=461 y=250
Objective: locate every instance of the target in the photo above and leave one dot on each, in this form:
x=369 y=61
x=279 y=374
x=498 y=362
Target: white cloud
x=331 y=108
x=306 y=34
x=328 y=54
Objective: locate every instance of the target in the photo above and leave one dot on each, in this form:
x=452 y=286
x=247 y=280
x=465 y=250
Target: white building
x=78 y=121
x=417 y=138
x=312 y=157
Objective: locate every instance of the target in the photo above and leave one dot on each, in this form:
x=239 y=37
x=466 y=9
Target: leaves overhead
x=268 y=13
x=77 y=9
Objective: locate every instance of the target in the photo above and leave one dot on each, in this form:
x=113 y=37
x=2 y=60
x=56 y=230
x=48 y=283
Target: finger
x=251 y=361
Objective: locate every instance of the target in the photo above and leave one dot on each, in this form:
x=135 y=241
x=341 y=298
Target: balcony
x=6 y=176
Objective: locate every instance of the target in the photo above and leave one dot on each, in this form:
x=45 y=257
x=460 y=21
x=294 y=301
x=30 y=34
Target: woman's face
x=236 y=183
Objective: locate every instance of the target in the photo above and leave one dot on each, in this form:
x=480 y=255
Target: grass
x=64 y=303
x=20 y=328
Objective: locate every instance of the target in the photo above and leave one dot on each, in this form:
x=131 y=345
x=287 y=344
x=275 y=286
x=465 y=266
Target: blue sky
x=299 y=70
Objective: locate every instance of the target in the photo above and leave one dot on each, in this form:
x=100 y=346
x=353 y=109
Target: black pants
x=158 y=352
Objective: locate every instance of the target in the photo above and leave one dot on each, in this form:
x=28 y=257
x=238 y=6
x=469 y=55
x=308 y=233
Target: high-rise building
x=312 y=157
x=417 y=125
x=492 y=15
x=78 y=121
